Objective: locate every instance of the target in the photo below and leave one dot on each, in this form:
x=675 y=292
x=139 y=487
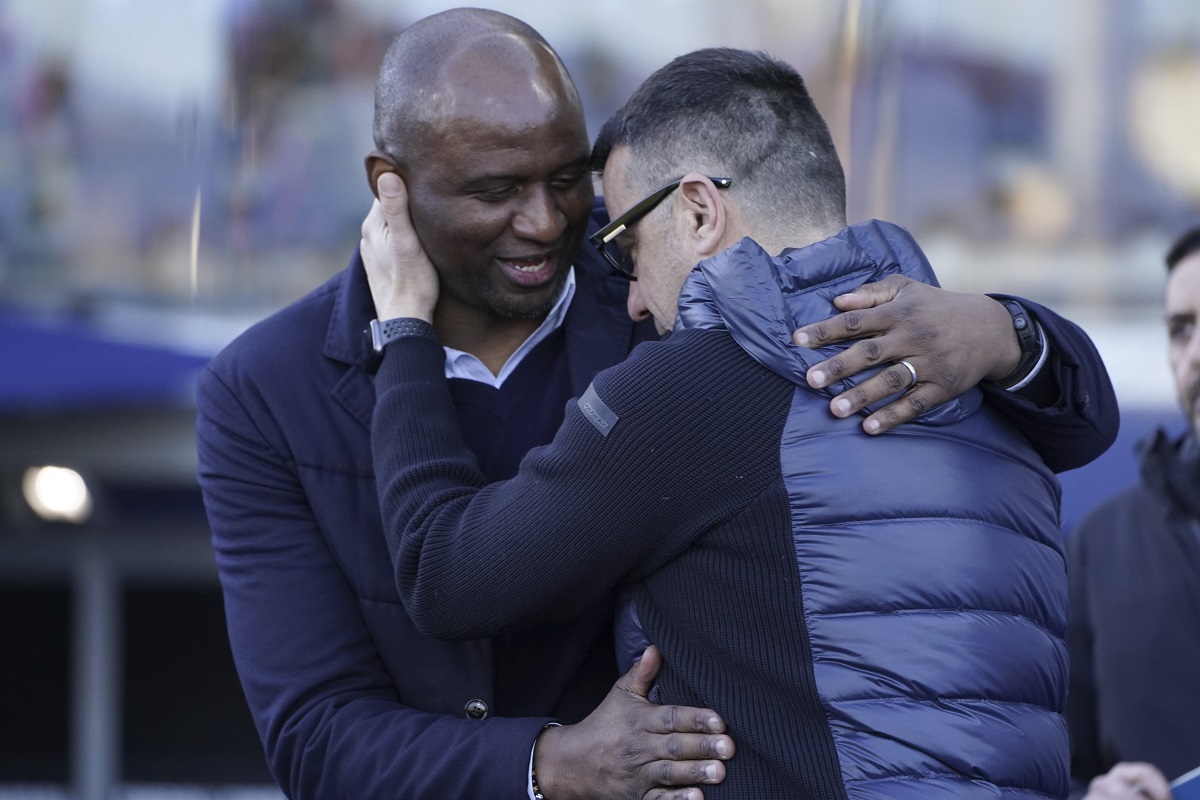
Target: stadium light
x=57 y=494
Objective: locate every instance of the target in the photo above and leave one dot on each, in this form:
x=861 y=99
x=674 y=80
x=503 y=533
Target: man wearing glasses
x=871 y=617
x=475 y=112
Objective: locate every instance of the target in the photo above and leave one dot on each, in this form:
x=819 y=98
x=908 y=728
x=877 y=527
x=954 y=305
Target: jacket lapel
x=353 y=311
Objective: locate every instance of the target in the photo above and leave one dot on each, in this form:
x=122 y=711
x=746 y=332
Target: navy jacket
x=873 y=617
x=349 y=698
x=1134 y=631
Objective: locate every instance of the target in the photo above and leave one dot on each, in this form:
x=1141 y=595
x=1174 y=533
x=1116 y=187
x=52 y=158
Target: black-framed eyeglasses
x=604 y=239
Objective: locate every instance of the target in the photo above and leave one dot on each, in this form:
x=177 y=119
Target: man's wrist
x=541 y=773
x=383 y=332
x=1032 y=344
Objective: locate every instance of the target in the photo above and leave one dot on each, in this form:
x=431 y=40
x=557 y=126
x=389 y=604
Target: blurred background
x=172 y=171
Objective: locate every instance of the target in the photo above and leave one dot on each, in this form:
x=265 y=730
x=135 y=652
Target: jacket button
x=476 y=709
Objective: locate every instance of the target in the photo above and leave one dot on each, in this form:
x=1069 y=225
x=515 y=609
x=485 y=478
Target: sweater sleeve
x=585 y=512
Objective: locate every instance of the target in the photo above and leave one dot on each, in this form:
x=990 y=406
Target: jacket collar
x=1171 y=466
x=761 y=299
x=598 y=332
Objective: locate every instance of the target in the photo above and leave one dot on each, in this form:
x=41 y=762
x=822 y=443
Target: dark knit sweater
x=720 y=594
x=501 y=424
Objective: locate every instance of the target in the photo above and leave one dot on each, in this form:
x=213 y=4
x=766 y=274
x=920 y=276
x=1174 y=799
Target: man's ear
x=377 y=163
x=707 y=217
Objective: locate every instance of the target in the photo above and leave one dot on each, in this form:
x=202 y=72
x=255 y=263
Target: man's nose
x=540 y=218
x=635 y=305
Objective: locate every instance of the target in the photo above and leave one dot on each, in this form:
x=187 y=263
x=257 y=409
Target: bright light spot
x=57 y=494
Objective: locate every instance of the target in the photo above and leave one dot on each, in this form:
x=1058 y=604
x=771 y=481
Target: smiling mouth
x=529 y=272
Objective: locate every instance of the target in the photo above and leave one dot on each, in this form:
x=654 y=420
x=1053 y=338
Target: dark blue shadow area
x=1085 y=488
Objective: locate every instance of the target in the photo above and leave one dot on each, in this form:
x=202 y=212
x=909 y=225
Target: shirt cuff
x=533 y=796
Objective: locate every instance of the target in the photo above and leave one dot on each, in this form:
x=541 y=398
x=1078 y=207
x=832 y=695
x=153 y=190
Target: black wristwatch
x=1027 y=336
x=383 y=332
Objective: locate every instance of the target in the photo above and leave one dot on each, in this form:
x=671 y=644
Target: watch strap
x=1030 y=339
x=385 y=331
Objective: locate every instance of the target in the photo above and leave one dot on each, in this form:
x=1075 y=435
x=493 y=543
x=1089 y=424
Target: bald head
x=479 y=118
x=465 y=62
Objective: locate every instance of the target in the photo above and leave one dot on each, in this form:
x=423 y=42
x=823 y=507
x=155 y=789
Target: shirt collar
x=461 y=364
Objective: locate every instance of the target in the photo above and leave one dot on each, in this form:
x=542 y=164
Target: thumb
x=640 y=678
x=393 y=196
x=870 y=295
x=393 y=199
x=390 y=185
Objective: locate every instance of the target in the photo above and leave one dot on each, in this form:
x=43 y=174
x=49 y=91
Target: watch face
x=377 y=340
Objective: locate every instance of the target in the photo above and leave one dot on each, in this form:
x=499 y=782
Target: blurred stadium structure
x=170 y=172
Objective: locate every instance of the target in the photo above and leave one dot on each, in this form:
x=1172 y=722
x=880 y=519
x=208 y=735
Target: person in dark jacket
x=873 y=617
x=1134 y=707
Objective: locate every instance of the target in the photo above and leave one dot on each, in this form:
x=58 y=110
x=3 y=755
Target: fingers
x=668 y=776
x=887 y=382
x=403 y=281
x=683 y=719
x=853 y=360
x=691 y=748
x=629 y=747
x=663 y=793
x=685 y=760
x=860 y=318
x=1130 y=780
x=838 y=328
x=372 y=227
x=918 y=397
x=870 y=295
x=374 y=246
x=905 y=409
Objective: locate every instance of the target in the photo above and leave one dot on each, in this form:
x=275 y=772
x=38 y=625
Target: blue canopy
x=57 y=365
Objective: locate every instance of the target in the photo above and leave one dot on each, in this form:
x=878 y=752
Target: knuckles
x=836 y=367
x=917 y=403
x=894 y=381
x=852 y=321
x=871 y=350
x=660 y=772
x=818 y=331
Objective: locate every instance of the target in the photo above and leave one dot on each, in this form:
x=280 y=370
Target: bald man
x=477 y=116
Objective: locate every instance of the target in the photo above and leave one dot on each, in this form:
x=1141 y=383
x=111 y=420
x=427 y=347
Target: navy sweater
x=719 y=591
